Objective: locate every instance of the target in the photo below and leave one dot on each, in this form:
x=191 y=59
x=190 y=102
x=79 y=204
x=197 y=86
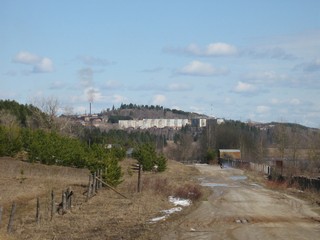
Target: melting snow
x=179 y=201
x=176 y=202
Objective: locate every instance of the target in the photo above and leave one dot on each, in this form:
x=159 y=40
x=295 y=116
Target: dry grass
x=105 y=216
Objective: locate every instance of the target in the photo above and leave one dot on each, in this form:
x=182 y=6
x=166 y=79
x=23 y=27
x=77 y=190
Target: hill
x=133 y=111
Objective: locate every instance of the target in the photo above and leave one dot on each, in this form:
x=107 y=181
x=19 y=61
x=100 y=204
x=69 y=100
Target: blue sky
x=241 y=60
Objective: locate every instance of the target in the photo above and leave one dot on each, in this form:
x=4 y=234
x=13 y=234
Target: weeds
x=189 y=191
x=158 y=185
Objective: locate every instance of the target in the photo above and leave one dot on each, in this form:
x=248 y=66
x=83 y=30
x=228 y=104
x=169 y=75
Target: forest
x=30 y=134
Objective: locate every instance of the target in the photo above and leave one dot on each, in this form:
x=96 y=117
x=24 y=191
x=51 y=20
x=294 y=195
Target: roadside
x=240 y=208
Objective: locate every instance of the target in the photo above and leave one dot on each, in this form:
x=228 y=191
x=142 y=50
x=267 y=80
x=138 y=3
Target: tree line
x=29 y=133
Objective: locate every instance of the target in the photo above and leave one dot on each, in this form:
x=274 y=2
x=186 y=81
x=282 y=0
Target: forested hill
x=133 y=111
x=25 y=115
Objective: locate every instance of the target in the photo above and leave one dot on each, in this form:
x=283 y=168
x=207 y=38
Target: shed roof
x=229 y=150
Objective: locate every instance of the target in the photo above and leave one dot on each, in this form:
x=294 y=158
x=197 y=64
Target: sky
x=240 y=60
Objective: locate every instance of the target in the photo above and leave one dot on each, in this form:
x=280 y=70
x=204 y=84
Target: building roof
x=229 y=150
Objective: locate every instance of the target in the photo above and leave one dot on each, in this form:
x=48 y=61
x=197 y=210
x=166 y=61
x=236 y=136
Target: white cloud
x=198 y=68
x=193 y=49
x=217 y=49
x=39 y=64
x=286 y=102
x=220 y=49
x=244 y=87
x=265 y=77
x=262 y=109
x=178 y=87
x=159 y=99
x=26 y=58
x=111 y=84
x=43 y=66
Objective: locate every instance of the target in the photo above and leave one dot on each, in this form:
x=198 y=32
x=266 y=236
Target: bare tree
x=50 y=107
x=281 y=139
x=8 y=119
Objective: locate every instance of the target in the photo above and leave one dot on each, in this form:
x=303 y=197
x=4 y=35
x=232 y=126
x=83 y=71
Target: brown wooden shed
x=234 y=154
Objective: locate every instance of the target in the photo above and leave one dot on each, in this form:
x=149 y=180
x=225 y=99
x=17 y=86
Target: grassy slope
x=105 y=216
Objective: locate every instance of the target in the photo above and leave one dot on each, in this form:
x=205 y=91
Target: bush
x=188 y=191
x=158 y=185
x=10 y=141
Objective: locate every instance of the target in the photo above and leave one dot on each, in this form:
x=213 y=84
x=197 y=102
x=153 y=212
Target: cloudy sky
x=241 y=60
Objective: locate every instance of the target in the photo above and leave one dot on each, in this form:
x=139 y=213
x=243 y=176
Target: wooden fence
x=56 y=207
x=301 y=182
x=306 y=183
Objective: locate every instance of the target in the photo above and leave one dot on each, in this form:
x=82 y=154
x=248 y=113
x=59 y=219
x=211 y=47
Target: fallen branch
x=111 y=187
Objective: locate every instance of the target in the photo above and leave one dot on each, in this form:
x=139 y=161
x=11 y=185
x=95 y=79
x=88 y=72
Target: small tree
x=211 y=156
x=148 y=158
x=161 y=162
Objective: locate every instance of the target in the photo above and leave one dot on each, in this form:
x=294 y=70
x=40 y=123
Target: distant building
x=153 y=123
x=198 y=122
x=234 y=154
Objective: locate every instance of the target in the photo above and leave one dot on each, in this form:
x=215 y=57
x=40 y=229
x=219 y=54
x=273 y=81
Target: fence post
x=67 y=192
x=139 y=178
x=38 y=211
x=69 y=197
x=100 y=177
x=94 y=183
x=52 y=205
x=13 y=210
x=0 y=215
x=89 y=188
x=64 y=201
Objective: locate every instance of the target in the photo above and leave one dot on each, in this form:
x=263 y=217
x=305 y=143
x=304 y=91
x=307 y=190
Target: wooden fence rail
x=13 y=211
x=306 y=183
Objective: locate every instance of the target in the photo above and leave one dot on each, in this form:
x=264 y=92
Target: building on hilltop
x=153 y=123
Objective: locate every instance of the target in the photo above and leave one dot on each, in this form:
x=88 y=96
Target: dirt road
x=241 y=209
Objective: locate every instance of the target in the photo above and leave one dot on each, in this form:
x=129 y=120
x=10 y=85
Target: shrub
x=157 y=184
x=188 y=191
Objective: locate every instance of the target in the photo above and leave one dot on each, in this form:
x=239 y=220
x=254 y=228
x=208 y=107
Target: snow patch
x=180 y=201
x=176 y=202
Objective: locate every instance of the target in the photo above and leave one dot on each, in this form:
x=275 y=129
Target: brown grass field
x=105 y=216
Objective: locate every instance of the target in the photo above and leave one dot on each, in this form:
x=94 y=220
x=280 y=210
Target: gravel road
x=241 y=209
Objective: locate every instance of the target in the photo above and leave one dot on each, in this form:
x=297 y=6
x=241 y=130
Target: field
x=105 y=216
